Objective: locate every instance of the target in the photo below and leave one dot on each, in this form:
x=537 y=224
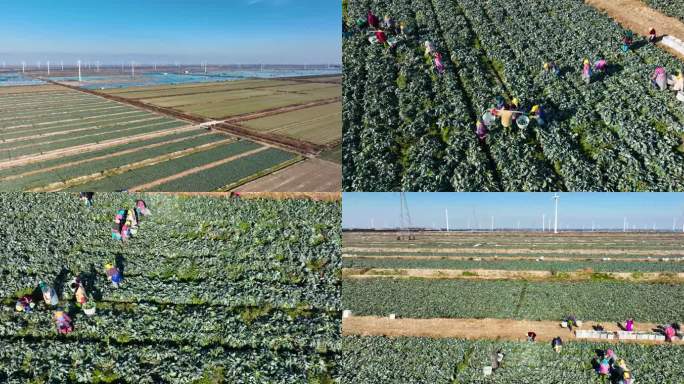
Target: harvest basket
x=522 y=122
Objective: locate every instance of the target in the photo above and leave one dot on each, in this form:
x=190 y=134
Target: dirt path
x=196 y=169
x=505 y=258
x=33 y=158
x=509 y=250
x=311 y=175
x=639 y=17
x=54 y=187
x=501 y=274
x=103 y=157
x=473 y=329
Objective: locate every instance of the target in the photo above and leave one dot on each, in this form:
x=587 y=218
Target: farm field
x=298 y=114
x=459 y=296
x=308 y=175
x=55 y=138
x=237 y=290
x=407 y=127
x=674 y=8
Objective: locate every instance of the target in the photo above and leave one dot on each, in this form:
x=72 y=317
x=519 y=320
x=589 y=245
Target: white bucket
x=346 y=313
x=487 y=371
x=89 y=311
x=392 y=316
x=522 y=121
x=564 y=324
x=488 y=118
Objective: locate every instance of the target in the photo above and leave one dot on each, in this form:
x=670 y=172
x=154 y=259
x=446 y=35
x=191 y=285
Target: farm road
x=639 y=17
x=473 y=329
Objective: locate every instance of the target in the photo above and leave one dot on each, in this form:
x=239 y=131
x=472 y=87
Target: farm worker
x=87 y=198
x=506 y=116
x=531 y=336
x=669 y=333
x=63 y=322
x=361 y=23
x=481 y=130
x=81 y=297
x=600 y=65
x=402 y=27
x=610 y=355
x=497 y=358
x=586 y=71
x=537 y=112
x=49 y=294
x=373 y=20
x=500 y=102
x=677 y=82
x=113 y=275
x=626 y=378
x=604 y=366
x=551 y=67
x=428 y=48
x=141 y=208
x=388 y=23
x=515 y=104
x=438 y=63
x=652 y=36
x=629 y=325
x=25 y=304
x=557 y=344
x=572 y=321
x=627 y=40
x=381 y=37
x=659 y=78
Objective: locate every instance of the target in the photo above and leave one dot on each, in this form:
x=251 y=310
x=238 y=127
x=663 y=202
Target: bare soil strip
x=309 y=175
x=129 y=167
x=48 y=134
x=197 y=169
x=639 y=17
x=4 y=130
x=103 y=157
x=504 y=258
x=512 y=250
x=501 y=274
x=30 y=159
x=473 y=329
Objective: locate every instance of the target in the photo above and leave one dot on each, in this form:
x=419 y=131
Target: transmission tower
x=404 y=220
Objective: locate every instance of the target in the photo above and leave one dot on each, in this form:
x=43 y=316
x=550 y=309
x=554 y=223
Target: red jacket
x=373 y=20
x=381 y=37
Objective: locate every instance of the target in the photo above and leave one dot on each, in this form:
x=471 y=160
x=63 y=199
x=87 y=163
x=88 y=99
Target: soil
x=504 y=258
x=316 y=196
x=196 y=169
x=311 y=175
x=532 y=251
x=472 y=329
x=496 y=274
x=639 y=17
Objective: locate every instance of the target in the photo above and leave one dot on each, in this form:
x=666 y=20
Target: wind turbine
x=61 y=62
x=543 y=222
x=79 y=72
x=555 y=226
x=132 y=69
x=23 y=67
x=624 y=224
x=48 y=67
x=492 y=223
x=446 y=213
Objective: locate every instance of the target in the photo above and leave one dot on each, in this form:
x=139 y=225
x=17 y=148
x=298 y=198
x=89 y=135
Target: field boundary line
x=505 y=258
x=278 y=111
x=478 y=329
x=197 y=169
x=33 y=158
x=125 y=152
x=128 y=167
x=505 y=251
x=506 y=274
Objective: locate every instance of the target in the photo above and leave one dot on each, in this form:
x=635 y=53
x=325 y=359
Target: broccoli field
x=406 y=127
x=214 y=290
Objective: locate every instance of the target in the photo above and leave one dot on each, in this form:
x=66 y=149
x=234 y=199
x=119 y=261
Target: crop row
x=491 y=54
x=517 y=265
x=226 y=174
x=508 y=299
x=421 y=360
x=84 y=361
x=96 y=166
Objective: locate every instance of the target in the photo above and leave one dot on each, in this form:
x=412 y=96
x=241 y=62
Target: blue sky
x=225 y=31
x=576 y=210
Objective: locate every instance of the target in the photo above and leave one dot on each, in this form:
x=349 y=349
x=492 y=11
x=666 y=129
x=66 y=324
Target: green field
x=213 y=289
x=319 y=125
x=55 y=138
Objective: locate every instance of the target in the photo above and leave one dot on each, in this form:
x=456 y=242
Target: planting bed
x=214 y=289
x=406 y=127
x=55 y=138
